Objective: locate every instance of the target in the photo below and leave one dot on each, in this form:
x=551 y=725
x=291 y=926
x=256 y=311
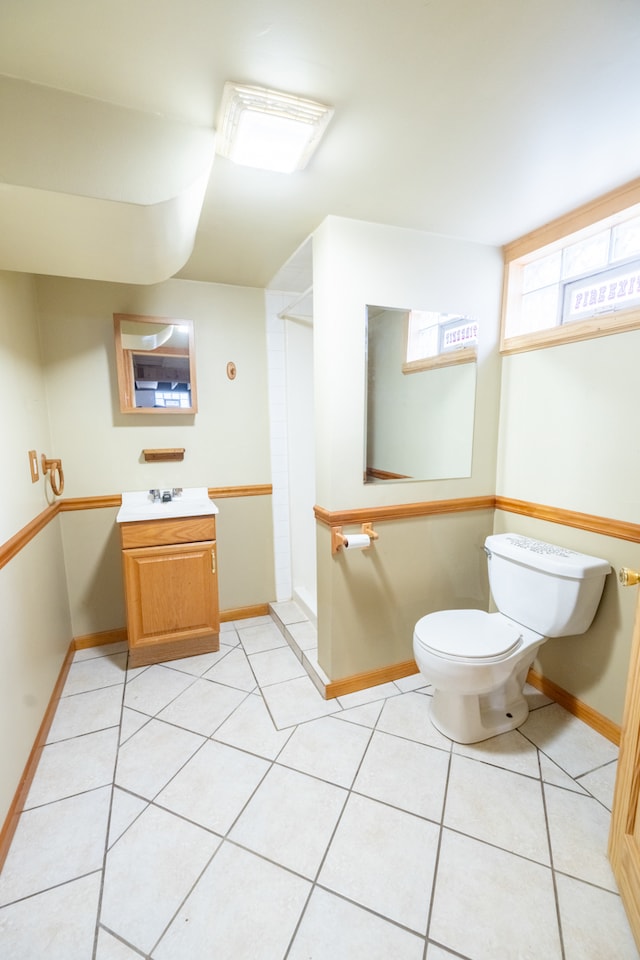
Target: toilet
x=478 y=662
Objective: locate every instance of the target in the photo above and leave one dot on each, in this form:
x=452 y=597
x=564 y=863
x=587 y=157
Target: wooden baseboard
x=244 y=613
x=118 y=635
x=371 y=678
x=13 y=814
x=576 y=707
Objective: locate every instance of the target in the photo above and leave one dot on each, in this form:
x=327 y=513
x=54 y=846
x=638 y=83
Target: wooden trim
x=451 y=359
x=244 y=613
x=370 y=678
x=619 y=529
x=577 y=708
x=90 y=503
x=13 y=546
x=402 y=511
x=372 y=473
x=256 y=490
x=117 y=635
x=601 y=326
x=24 y=785
x=585 y=216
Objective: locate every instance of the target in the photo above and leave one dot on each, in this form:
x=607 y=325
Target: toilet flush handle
x=627 y=577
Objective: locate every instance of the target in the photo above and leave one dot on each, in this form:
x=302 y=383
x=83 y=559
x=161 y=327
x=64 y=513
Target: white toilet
x=478 y=662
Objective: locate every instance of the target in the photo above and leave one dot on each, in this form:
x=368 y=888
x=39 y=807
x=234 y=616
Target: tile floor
x=217 y=808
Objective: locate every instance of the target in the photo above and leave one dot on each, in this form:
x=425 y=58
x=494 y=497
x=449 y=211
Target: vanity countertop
x=140 y=505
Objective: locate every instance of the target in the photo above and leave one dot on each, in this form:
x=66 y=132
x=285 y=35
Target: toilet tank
x=552 y=590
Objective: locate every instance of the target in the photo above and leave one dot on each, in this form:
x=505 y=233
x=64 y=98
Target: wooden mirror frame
x=124 y=364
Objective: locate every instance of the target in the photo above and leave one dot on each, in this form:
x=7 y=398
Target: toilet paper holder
x=339 y=539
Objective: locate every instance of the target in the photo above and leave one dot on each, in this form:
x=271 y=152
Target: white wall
x=34 y=616
x=301 y=447
x=368 y=603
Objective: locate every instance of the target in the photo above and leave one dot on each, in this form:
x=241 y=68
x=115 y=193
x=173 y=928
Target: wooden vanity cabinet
x=171 y=588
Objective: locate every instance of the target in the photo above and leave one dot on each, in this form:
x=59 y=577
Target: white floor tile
x=333 y=929
x=74 y=766
x=274 y=666
x=290 y=820
x=86 y=713
x=601 y=783
x=251 y=728
x=583 y=909
x=106 y=650
x=132 y=721
x=95 y=673
x=509 y=750
x=383 y=859
x=110 y=948
x=65 y=927
x=288 y=611
x=408 y=716
x=490 y=904
x=209 y=924
x=552 y=773
x=264 y=636
x=56 y=843
x=579 y=831
x=149 y=872
x=125 y=807
x=328 y=749
x=437 y=953
x=295 y=701
x=500 y=807
x=366 y=715
x=198 y=665
x=567 y=741
x=156 y=687
x=415 y=681
x=304 y=635
x=213 y=787
x=203 y=706
x=380 y=692
x=420 y=789
x=234 y=671
x=153 y=756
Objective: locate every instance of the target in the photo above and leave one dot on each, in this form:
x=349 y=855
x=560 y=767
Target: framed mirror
x=155 y=359
x=421 y=387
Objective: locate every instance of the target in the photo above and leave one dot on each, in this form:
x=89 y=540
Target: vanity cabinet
x=171 y=588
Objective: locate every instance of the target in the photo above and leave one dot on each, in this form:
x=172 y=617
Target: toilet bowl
x=478 y=662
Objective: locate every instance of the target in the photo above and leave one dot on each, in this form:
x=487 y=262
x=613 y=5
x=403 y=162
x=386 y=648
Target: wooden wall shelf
x=171 y=453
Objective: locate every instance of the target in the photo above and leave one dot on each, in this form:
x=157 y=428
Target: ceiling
x=479 y=119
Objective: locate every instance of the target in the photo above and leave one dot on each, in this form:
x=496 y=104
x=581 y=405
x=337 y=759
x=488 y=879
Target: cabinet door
x=172 y=594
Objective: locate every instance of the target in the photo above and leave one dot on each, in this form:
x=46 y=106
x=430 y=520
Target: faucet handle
x=176 y=491
x=154 y=494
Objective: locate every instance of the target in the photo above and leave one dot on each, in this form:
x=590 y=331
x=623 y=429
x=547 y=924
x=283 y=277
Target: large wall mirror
x=155 y=359
x=421 y=387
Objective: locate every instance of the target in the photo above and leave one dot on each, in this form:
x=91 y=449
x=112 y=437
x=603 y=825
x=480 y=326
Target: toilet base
x=469 y=719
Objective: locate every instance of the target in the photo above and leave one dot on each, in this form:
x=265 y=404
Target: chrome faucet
x=154 y=494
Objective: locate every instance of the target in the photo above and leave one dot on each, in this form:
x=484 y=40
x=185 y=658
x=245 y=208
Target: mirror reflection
x=155 y=362
x=421 y=386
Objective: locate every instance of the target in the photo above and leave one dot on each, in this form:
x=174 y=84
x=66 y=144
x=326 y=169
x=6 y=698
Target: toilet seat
x=468 y=636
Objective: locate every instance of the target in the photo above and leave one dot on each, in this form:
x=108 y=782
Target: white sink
x=140 y=505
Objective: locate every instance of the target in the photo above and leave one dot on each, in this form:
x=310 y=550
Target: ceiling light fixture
x=268 y=129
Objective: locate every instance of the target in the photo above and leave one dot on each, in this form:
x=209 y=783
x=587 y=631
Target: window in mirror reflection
x=418 y=427
x=155 y=361
x=431 y=335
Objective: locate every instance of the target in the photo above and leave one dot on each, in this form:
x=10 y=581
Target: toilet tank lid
x=559 y=561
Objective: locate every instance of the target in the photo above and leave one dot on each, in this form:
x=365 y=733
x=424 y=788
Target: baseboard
x=371 y=678
x=118 y=635
x=244 y=613
x=576 y=707
x=24 y=785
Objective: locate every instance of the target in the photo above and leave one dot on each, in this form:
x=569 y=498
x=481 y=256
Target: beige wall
x=369 y=603
x=35 y=619
x=567 y=439
x=226 y=442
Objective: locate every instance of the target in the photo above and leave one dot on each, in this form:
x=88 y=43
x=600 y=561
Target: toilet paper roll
x=357 y=541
